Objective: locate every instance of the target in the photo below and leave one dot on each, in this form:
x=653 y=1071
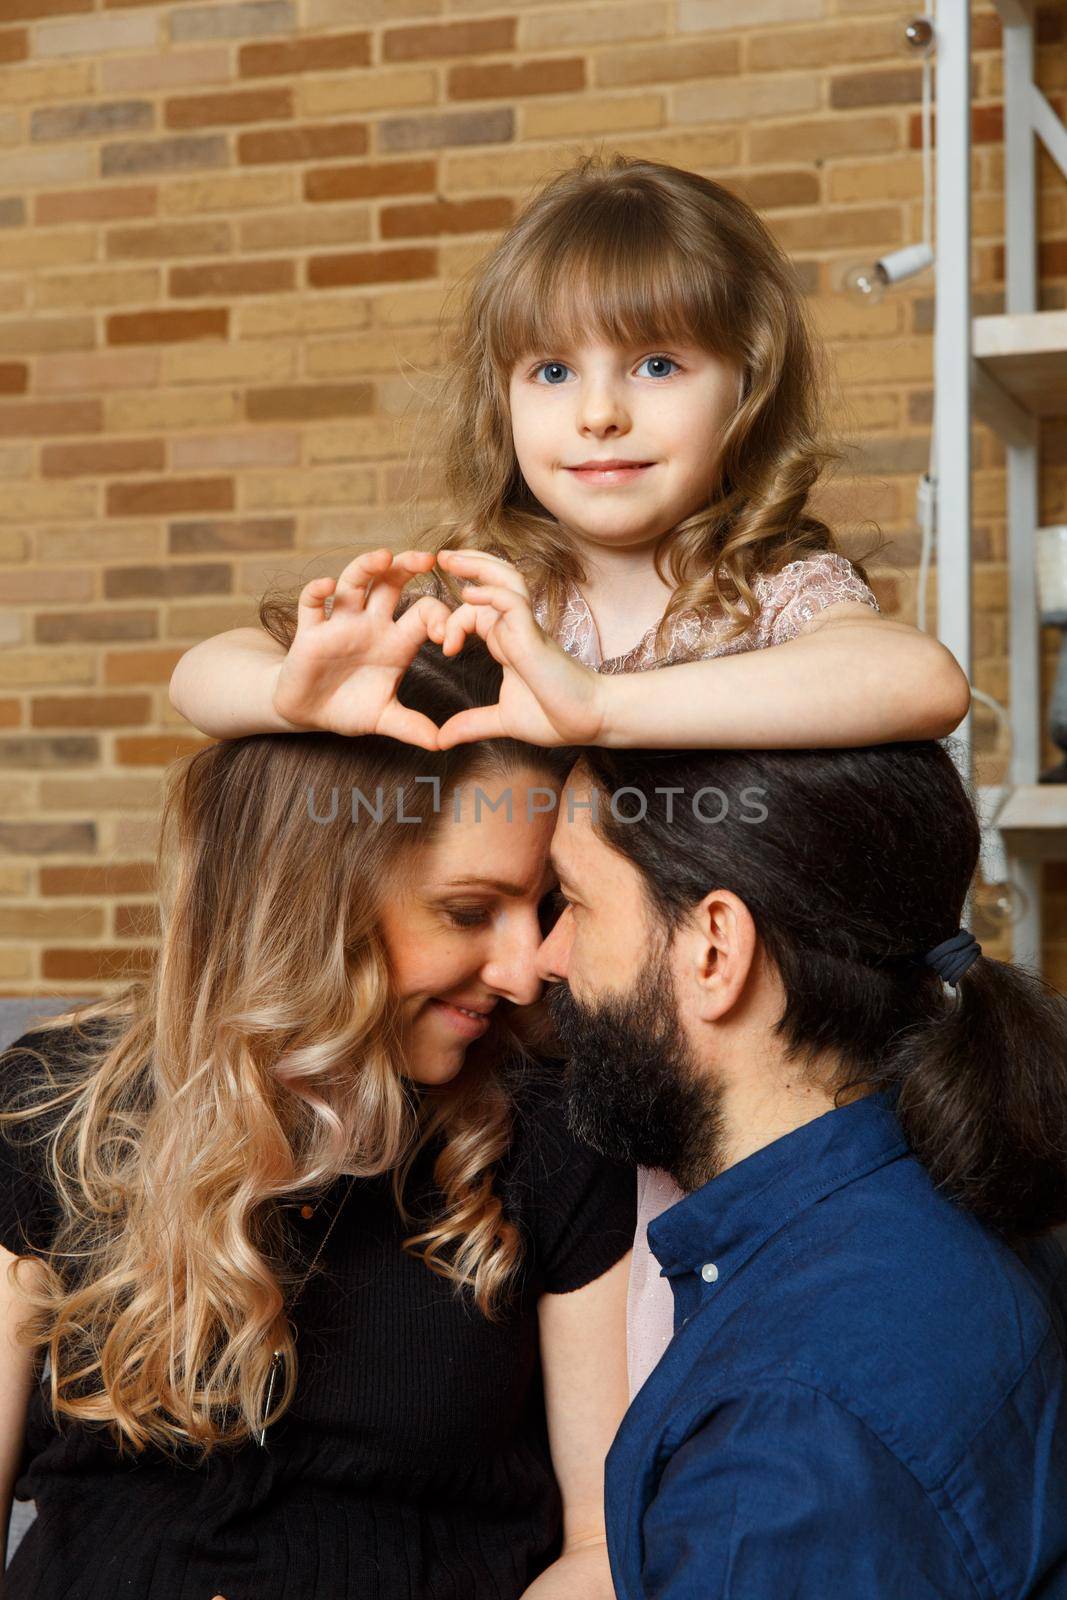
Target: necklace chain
x=278 y=1356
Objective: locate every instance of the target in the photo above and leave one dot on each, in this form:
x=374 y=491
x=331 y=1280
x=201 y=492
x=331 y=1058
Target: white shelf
x=1026 y=355
x=1034 y=821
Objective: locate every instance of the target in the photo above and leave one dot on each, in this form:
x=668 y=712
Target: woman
x=332 y=1302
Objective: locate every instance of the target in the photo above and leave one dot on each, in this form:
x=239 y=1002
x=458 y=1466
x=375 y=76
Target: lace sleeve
x=789 y=599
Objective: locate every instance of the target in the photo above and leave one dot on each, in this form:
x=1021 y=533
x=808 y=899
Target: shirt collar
x=723 y=1223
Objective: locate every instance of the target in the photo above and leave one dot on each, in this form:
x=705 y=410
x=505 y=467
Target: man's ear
x=719 y=950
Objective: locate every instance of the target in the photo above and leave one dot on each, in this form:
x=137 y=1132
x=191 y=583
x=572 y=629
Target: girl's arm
x=583 y=1358
x=339 y=673
x=16 y=1381
x=851 y=678
x=225 y=685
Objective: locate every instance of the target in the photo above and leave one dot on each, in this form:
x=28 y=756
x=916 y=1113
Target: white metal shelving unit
x=1013 y=369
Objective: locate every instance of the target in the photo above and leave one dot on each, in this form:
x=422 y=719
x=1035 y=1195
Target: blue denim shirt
x=866 y=1393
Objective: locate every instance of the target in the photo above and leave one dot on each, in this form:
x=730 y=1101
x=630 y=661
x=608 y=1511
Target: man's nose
x=551 y=958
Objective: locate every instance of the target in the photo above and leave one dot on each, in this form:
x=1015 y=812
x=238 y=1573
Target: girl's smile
x=625 y=472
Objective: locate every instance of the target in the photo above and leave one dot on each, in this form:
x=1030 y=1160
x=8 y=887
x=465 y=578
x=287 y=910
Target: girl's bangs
x=628 y=290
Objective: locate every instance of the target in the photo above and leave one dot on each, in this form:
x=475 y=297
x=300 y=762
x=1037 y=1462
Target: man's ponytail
x=983 y=1096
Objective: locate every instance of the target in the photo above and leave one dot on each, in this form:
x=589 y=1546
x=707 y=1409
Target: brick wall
x=226 y=233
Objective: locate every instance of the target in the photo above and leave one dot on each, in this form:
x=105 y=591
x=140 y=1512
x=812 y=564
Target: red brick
x=160 y=496
x=1051 y=259
x=156 y=750
x=140 y=666
x=103 y=459
x=167 y=327
x=137 y=921
x=767 y=190
x=370 y=266
x=248 y=533
x=14 y=45
x=168 y=241
x=485 y=125
x=14 y=377
x=89 y=710
x=369 y=180
x=897 y=87
x=10 y=713
x=446 y=216
x=213 y=110
x=505 y=80
x=116 y=877
x=1051 y=25
x=26 y=10
x=25 y=418
x=310 y=400
x=280 y=59
x=80 y=627
x=95 y=205
x=233 y=277
x=434 y=40
x=47 y=838
x=168 y=582
x=272 y=145
x=986 y=32
x=96 y=963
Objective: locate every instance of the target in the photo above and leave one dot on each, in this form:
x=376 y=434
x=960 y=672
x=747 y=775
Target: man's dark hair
x=862 y=861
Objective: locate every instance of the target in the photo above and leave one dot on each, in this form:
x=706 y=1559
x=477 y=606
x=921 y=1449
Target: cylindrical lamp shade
x=1052 y=568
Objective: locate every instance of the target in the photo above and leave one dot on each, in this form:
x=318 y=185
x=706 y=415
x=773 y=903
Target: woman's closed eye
x=466 y=918
x=549 y=910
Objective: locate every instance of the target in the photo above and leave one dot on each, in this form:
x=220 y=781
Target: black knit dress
x=413 y=1463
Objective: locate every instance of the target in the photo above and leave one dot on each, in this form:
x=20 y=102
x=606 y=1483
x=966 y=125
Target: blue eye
x=559 y=365
x=670 y=361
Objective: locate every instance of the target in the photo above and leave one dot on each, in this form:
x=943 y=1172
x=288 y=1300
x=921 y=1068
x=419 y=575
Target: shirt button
x=709 y=1272
x=307 y=1212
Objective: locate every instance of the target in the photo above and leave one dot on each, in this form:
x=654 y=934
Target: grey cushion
x=19 y=1016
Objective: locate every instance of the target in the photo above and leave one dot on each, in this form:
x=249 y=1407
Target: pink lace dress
x=788 y=600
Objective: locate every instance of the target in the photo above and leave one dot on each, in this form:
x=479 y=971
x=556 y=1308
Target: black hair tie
x=953 y=956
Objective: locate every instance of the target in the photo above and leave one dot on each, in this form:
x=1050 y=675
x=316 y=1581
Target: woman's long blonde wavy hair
x=639 y=252
x=259 y=1059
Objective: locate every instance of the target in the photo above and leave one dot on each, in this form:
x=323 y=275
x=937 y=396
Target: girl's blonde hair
x=259 y=1059
x=639 y=252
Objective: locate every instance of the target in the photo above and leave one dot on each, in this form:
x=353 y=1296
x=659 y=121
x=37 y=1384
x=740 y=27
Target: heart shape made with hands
x=345 y=664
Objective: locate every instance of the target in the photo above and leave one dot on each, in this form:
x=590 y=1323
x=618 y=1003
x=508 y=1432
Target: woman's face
x=465 y=930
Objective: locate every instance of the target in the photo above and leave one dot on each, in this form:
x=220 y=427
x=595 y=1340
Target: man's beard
x=633 y=1089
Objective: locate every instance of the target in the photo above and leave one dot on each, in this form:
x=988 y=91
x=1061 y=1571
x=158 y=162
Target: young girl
x=629 y=426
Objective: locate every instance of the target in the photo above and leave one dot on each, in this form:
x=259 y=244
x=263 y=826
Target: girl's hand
x=546 y=697
x=341 y=671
